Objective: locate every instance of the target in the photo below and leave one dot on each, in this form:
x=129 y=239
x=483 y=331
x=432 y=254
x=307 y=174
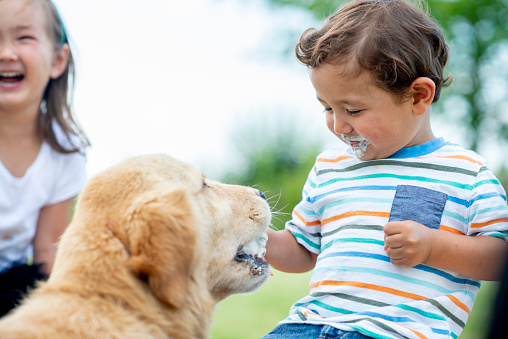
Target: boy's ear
x=60 y=61
x=423 y=89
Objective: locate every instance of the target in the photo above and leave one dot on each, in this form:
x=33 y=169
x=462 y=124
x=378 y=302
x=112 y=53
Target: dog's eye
x=205 y=185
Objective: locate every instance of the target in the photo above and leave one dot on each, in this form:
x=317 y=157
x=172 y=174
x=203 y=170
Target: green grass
x=251 y=316
x=254 y=315
x=478 y=322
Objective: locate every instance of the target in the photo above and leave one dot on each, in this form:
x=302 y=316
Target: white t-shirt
x=53 y=177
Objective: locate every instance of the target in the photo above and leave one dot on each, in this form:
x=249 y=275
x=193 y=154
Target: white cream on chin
x=358 y=144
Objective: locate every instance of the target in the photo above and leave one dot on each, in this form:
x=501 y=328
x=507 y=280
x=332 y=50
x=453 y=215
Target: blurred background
x=215 y=83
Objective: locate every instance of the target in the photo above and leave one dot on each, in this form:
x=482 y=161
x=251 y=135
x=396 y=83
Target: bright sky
x=176 y=76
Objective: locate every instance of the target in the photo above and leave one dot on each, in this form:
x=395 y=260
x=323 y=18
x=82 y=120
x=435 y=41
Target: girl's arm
x=53 y=221
x=285 y=254
x=409 y=243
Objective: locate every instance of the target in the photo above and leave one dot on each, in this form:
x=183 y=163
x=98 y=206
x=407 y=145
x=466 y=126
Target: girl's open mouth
x=10 y=79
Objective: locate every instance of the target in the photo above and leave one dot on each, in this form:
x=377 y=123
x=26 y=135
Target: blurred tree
x=477 y=102
x=274 y=153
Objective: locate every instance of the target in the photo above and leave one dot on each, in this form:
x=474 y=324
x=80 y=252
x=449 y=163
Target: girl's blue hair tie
x=63 y=38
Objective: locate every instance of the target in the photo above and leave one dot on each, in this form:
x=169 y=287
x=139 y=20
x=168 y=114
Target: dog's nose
x=261 y=194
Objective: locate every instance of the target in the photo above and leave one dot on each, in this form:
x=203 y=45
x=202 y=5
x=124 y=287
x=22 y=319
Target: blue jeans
x=310 y=331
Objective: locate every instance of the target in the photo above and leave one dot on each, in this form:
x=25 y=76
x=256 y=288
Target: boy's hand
x=407 y=243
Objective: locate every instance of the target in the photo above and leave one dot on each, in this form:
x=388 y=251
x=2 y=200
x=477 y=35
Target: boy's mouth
x=10 y=79
x=358 y=144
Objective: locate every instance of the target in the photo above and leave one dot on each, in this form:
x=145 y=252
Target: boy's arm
x=409 y=243
x=285 y=254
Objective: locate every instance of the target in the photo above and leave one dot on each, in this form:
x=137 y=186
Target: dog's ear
x=162 y=237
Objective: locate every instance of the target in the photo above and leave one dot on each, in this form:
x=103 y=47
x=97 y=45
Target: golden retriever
x=153 y=246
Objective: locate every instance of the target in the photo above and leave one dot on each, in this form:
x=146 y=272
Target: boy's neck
x=425 y=133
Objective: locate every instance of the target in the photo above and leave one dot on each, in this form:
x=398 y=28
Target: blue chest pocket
x=419 y=204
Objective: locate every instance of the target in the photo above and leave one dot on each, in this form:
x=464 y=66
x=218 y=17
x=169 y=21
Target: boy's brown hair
x=394 y=40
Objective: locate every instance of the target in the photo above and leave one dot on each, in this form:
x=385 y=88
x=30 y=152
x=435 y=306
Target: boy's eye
x=25 y=37
x=353 y=112
x=327 y=109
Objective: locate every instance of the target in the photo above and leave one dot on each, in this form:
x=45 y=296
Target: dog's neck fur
x=122 y=282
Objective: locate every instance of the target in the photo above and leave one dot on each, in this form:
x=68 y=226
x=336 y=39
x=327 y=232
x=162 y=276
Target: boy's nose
x=341 y=127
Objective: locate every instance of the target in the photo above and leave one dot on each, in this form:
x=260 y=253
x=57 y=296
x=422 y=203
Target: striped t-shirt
x=345 y=204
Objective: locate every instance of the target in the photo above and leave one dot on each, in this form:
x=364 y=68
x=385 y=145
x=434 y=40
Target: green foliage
x=479 y=36
x=276 y=155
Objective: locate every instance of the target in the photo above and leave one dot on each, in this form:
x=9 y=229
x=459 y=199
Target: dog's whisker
x=273 y=227
x=279 y=210
x=277 y=216
x=278 y=197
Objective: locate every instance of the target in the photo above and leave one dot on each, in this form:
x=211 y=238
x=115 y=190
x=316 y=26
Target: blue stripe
x=355 y=254
x=488 y=196
x=307 y=211
x=348 y=201
x=401 y=320
x=324 y=306
x=488 y=182
x=420 y=150
x=418 y=267
x=398 y=177
x=353 y=188
x=466 y=203
x=386 y=317
x=487 y=210
x=459 y=201
x=438 y=331
x=396 y=276
x=455 y=216
x=307 y=241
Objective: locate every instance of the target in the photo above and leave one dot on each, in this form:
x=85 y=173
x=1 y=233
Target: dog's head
x=178 y=227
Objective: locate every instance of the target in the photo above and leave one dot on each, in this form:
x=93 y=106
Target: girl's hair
x=394 y=40
x=57 y=99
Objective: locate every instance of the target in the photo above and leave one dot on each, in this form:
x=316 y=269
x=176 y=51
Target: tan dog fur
x=149 y=253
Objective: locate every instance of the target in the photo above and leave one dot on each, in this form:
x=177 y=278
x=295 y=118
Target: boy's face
x=363 y=115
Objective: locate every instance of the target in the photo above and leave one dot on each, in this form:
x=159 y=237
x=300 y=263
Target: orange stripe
x=458 y=303
x=309 y=312
x=370 y=287
x=450 y=230
x=414 y=331
x=460 y=157
x=487 y=223
x=353 y=213
x=314 y=223
x=334 y=160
